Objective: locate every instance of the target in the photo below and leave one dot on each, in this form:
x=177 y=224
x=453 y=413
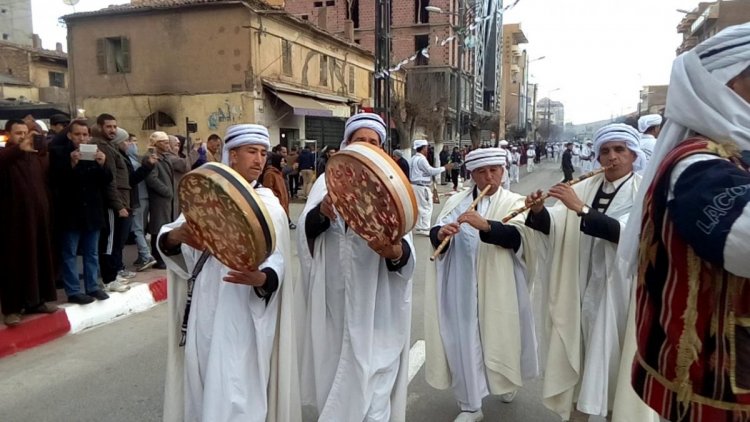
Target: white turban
x=419 y=143
x=244 y=134
x=698 y=101
x=622 y=133
x=503 y=143
x=647 y=121
x=485 y=157
x=364 y=121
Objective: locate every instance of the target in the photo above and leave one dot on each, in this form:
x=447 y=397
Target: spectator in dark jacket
x=457 y=159
x=398 y=156
x=161 y=192
x=307 y=169
x=79 y=184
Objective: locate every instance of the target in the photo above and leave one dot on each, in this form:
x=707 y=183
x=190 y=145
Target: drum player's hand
x=253 y=278
x=474 y=219
x=533 y=196
x=326 y=208
x=386 y=250
x=450 y=229
x=182 y=234
x=567 y=196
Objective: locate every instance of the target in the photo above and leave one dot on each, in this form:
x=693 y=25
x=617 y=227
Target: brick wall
x=15 y=62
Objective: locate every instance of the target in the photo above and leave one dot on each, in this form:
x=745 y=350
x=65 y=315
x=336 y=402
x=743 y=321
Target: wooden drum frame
x=371 y=193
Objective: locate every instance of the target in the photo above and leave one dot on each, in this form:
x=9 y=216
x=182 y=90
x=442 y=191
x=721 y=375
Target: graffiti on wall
x=228 y=113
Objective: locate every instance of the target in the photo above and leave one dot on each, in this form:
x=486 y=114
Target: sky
x=598 y=53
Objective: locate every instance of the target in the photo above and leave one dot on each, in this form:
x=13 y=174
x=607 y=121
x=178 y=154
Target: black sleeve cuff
x=434 y=238
x=315 y=224
x=502 y=235
x=270 y=286
x=166 y=251
x=401 y=262
x=600 y=225
x=539 y=222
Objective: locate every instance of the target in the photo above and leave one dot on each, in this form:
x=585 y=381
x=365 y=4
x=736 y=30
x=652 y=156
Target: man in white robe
x=421 y=174
x=479 y=281
x=587 y=157
x=515 y=159
x=650 y=127
x=236 y=359
x=355 y=350
x=530 y=156
x=585 y=227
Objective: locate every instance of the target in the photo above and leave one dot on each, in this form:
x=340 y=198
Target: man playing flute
x=586 y=307
x=479 y=324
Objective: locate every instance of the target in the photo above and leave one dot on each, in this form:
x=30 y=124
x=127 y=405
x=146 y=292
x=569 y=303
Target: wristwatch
x=584 y=211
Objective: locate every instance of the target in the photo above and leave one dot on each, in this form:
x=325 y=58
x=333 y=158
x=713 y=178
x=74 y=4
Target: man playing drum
x=358 y=294
x=479 y=323
x=223 y=371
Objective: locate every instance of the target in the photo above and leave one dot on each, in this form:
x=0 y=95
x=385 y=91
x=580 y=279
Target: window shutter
x=101 y=55
x=125 y=45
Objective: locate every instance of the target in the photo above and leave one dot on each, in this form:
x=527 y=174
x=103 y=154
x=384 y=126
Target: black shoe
x=80 y=299
x=99 y=295
x=160 y=266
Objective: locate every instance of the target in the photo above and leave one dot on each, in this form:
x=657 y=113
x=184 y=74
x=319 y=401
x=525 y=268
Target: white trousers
x=424 y=203
x=530 y=165
x=514 y=173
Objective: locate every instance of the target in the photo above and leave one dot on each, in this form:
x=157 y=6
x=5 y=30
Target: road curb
x=40 y=329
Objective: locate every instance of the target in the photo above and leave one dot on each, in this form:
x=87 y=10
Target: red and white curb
x=70 y=319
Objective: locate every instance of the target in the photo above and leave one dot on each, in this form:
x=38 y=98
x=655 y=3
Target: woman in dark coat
x=273 y=179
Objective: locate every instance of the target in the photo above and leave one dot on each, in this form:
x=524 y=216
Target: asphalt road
x=116 y=372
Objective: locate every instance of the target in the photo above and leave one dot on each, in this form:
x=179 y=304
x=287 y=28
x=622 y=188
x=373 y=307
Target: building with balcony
x=15 y=22
x=33 y=74
x=217 y=63
x=708 y=18
x=432 y=80
x=515 y=78
x=653 y=99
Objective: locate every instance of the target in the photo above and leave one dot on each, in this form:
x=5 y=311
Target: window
x=57 y=79
x=113 y=55
x=286 y=57
x=330 y=3
x=351 y=79
x=421 y=15
x=305 y=17
x=318 y=4
x=323 y=70
x=5 y=36
x=420 y=42
x=352 y=12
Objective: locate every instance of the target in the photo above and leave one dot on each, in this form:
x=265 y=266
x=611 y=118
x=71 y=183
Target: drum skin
x=371 y=193
x=226 y=215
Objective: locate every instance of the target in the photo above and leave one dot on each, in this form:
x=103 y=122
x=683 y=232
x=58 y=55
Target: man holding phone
x=25 y=235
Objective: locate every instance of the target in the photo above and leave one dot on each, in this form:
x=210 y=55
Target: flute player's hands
x=535 y=196
x=474 y=219
x=450 y=229
x=565 y=193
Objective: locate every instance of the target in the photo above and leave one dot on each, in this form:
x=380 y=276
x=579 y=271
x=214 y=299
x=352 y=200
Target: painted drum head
x=371 y=193
x=226 y=215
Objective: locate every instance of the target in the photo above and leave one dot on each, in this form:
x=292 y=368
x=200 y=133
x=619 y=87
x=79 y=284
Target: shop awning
x=304 y=106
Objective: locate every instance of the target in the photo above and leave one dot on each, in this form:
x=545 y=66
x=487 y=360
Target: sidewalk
x=148 y=289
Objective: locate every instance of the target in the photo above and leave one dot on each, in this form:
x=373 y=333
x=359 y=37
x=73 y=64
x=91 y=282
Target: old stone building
x=155 y=64
x=31 y=73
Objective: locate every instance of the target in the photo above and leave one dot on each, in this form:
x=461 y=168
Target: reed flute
x=546 y=195
x=447 y=239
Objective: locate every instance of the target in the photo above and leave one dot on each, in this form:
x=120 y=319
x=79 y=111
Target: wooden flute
x=546 y=195
x=447 y=239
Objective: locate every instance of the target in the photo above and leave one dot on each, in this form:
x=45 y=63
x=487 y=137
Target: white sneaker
x=508 y=397
x=126 y=274
x=469 y=416
x=117 y=286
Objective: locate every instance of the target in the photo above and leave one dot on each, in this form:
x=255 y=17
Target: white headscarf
x=419 y=143
x=482 y=157
x=366 y=121
x=623 y=133
x=647 y=121
x=244 y=134
x=698 y=101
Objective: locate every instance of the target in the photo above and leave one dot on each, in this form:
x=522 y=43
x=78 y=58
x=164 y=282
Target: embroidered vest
x=692 y=317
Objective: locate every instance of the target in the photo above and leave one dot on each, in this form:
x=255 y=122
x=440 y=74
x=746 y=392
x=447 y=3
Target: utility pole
x=382 y=87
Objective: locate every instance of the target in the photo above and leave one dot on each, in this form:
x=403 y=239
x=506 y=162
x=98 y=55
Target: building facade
x=515 y=80
x=550 y=119
x=216 y=63
x=653 y=99
x=33 y=74
x=15 y=22
x=708 y=18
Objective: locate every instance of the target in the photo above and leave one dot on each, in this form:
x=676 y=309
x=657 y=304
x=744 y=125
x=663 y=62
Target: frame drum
x=371 y=193
x=226 y=215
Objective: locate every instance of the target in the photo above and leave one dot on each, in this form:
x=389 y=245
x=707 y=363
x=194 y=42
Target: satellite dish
x=70 y=2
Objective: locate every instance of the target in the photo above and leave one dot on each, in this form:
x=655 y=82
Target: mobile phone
x=151 y=151
x=38 y=141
